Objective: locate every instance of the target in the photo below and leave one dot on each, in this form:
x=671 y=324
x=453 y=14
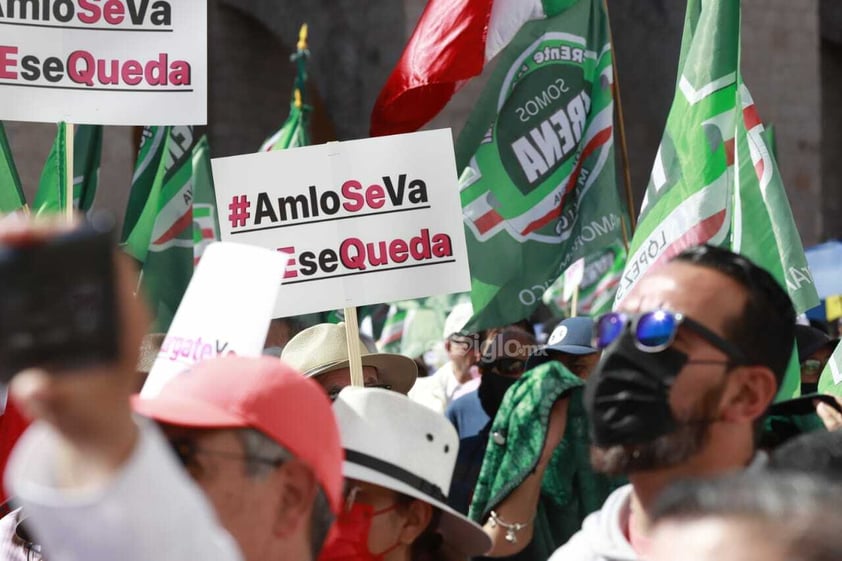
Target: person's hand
x=89 y=408
x=829 y=415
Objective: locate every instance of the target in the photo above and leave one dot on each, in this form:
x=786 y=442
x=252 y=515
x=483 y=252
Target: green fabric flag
x=295 y=131
x=148 y=160
x=538 y=188
x=51 y=196
x=603 y=271
x=11 y=193
x=205 y=217
x=87 y=153
x=162 y=238
x=714 y=179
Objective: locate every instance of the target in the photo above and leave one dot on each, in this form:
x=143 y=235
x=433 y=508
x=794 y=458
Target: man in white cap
x=321 y=352
x=399 y=460
x=438 y=390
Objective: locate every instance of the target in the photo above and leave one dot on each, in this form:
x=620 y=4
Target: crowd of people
x=643 y=434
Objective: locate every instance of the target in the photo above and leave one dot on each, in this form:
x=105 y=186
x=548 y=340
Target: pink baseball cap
x=261 y=393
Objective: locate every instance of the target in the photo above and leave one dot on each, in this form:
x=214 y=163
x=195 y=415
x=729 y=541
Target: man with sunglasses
x=693 y=357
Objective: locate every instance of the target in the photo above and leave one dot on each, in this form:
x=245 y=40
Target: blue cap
x=573 y=336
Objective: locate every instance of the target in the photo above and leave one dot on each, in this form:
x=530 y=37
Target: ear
x=752 y=390
x=297 y=491
x=418 y=516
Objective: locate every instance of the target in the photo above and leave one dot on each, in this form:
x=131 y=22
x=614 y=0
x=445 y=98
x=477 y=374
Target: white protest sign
x=363 y=221
x=573 y=278
x=226 y=309
x=110 y=62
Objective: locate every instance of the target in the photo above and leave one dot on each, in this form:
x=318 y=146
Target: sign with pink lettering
x=111 y=62
x=363 y=221
x=226 y=309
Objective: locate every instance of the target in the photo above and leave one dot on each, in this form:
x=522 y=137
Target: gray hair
x=801 y=512
x=257 y=447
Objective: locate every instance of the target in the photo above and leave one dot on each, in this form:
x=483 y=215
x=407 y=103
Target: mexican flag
x=714 y=179
x=51 y=196
x=538 y=188
x=452 y=42
x=162 y=238
x=11 y=193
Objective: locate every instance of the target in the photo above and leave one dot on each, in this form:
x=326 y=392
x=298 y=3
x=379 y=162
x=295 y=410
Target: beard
x=666 y=451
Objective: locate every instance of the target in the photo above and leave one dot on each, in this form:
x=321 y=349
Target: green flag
x=295 y=131
x=714 y=179
x=11 y=193
x=51 y=196
x=87 y=155
x=162 y=238
x=87 y=152
x=538 y=187
x=205 y=218
x=152 y=142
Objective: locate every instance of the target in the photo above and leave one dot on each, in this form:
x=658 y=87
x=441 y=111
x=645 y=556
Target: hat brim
x=456 y=529
x=572 y=349
x=185 y=412
x=398 y=371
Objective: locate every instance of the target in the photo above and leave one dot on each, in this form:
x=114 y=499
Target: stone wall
x=785 y=64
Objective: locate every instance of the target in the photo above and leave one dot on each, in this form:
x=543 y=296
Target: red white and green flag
x=11 y=192
x=451 y=44
x=162 y=238
x=603 y=271
x=714 y=179
x=51 y=196
x=205 y=218
x=538 y=188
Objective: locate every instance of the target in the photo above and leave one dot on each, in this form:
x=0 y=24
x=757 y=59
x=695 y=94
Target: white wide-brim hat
x=395 y=443
x=323 y=348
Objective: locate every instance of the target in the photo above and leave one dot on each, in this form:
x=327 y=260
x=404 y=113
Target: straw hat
x=393 y=442
x=322 y=348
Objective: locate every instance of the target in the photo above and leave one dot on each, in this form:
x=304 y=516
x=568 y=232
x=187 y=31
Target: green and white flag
x=714 y=179
x=538 y=187
x=87 y=153
x=152 y=142
x=162 y=238
x=11 y=193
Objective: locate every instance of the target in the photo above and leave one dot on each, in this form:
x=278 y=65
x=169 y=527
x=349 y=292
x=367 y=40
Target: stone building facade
x=792 y=61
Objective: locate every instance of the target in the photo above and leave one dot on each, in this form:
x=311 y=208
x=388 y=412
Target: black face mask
x=492 y=388
x=627 y=395
x=809 y=387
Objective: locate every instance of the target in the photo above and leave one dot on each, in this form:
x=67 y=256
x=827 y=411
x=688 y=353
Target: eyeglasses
x=187 y=450
x=656 y=330
x=507 y=366
x=333 y=393
x=812 y=365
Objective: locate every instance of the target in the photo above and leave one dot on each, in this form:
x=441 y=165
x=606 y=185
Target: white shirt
x=149 y=511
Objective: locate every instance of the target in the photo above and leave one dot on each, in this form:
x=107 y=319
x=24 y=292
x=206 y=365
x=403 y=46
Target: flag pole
x=575 y=303
x=352 y=338
x=620 y=124
x=68 y=151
